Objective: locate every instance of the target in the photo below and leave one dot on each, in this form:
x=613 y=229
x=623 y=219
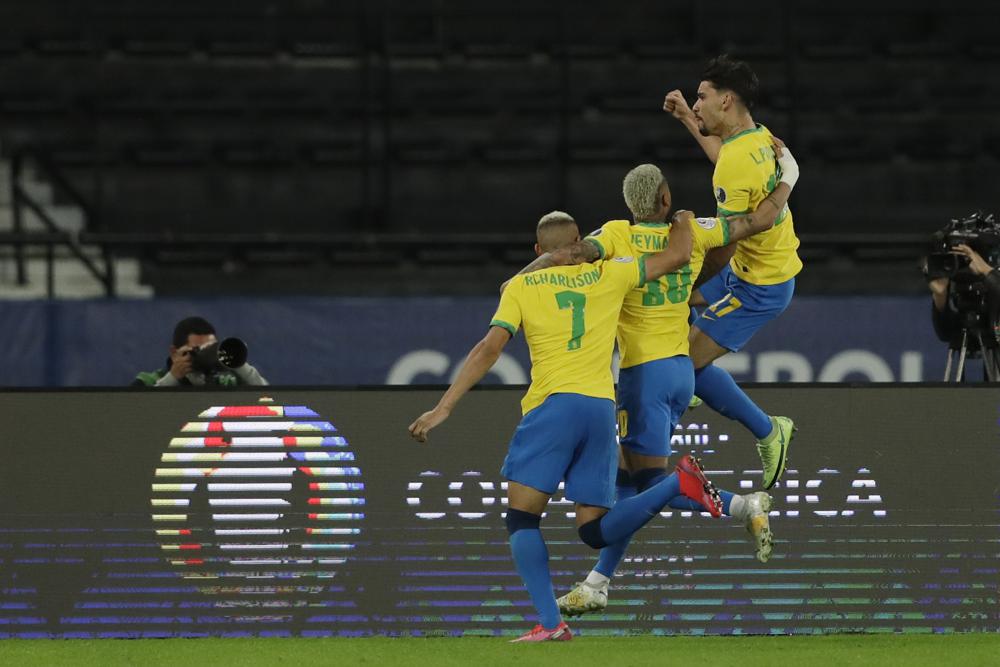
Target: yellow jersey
x=745 y=173
x=654 y=320
x=569 y=315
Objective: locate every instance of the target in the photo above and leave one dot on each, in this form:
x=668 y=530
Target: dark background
x=913 y=551
x=419 y=141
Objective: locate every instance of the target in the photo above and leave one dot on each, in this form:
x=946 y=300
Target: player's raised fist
x=676 y=105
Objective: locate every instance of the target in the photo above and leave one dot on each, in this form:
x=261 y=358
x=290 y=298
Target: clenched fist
x=425 y=422
x=676 y=105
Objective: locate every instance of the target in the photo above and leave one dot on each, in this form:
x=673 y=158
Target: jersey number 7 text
x=578 y=302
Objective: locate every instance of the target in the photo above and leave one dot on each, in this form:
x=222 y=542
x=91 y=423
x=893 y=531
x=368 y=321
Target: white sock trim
x=597 y=580
x=737 y=506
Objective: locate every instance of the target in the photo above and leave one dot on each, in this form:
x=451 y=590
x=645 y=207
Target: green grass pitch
x=840 y=650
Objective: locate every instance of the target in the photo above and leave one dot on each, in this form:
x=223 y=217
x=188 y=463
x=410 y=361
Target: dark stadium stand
x=437 y=116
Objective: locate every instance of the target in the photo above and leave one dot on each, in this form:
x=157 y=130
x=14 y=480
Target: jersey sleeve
x=628 y=272
x=611 y=239
x=710 y=233
x=508 y=315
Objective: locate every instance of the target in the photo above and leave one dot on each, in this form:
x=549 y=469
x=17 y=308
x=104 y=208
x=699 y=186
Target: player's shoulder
x=734 y=150
x=623 y=266
x=515 y=284
x=610 y=227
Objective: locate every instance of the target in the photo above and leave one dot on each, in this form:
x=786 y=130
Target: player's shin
x=612 y=554
x=531 y=557
x=721 y=393
x=731 y=503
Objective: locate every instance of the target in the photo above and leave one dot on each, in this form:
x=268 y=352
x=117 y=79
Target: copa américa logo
x=720 y=195
x=257 y=492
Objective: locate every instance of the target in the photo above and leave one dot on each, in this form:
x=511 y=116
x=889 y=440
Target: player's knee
x=647 y=477
x=517 y=520
x=591 y=535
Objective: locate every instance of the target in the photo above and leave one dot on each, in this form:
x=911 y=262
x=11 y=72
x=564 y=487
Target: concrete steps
x=71 y=278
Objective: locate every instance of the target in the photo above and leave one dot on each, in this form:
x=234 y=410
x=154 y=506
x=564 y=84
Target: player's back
x=654 y=319
x=569 y=315
x=745 y=173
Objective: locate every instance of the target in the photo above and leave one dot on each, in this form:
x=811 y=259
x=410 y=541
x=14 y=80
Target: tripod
x=990 y=353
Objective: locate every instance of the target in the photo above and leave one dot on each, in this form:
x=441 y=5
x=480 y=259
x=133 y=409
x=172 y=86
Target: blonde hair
x=555 y=218
x=641 y=188
x=556 y=229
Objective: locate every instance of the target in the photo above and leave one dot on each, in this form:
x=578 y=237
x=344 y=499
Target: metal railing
x=380 y=250
x=22 y=201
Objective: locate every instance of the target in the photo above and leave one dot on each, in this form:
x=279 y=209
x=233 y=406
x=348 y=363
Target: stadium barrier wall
x=313 y=341
x=310 y=512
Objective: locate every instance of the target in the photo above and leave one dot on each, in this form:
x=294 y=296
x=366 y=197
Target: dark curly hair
x=725 y=73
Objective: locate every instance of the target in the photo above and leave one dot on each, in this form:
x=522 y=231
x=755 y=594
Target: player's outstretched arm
x=763 y=217
x=677 y=106
x=476 y=366
x=678 y=252
x=575 y=253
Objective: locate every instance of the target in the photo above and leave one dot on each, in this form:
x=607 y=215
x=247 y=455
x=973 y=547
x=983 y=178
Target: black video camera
x=229 y=354
x=979 y=231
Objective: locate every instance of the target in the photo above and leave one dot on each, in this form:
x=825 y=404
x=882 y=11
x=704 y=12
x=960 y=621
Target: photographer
x=197 y=358
x=947 y=322
x=965 y=292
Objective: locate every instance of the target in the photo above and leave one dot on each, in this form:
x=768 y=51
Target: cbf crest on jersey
x=720 y=195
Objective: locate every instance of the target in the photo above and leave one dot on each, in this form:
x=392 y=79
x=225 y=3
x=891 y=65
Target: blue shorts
x=737 y=309
x=568 y=437
x=651 y=399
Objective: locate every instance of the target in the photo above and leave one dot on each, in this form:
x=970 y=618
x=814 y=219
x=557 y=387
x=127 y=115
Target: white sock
x=737 y=506
x=597 y=580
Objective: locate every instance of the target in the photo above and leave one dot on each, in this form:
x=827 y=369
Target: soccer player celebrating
x=657 y=377
x=569 y=315
x=757 y=284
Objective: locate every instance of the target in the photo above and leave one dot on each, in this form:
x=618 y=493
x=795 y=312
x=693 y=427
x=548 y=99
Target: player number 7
x=578 y=303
